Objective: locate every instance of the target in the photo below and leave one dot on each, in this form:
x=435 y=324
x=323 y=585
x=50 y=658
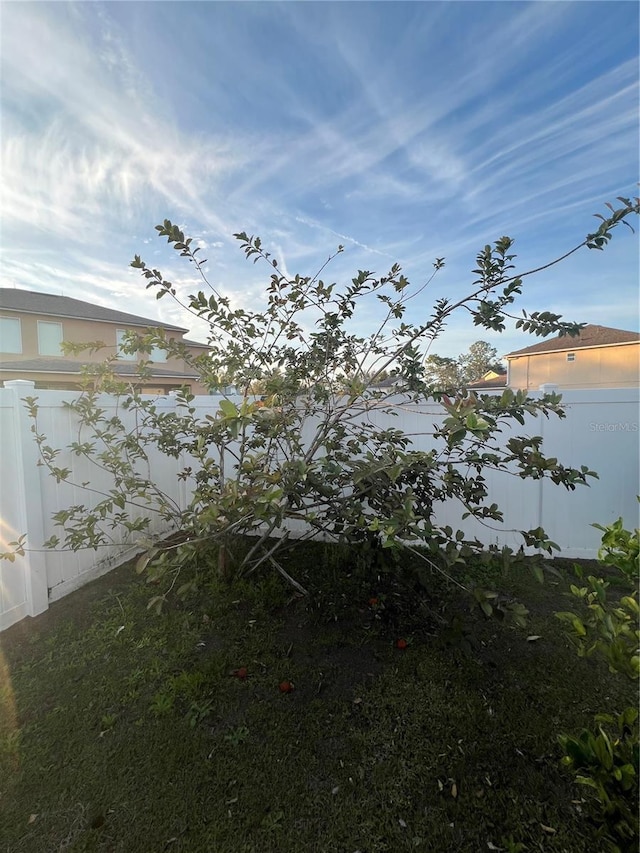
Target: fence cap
x=19 y=383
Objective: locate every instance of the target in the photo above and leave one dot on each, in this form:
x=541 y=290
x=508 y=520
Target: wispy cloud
x=100 y=143
x=439 y=128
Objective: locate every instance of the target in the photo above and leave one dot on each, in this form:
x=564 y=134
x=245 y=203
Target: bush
x=606 y=759
x=311 y=452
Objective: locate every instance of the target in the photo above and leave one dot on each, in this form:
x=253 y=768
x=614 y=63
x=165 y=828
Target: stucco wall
x=592 y=367
x=85 y=331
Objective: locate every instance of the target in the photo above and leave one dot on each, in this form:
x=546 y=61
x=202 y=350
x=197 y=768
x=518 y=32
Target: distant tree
x=442 y=373
x=480 y=358
x=448 y=374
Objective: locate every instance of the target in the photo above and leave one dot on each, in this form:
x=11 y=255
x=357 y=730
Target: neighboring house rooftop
x=590 y=336
x=33 y=302
x=495 y=380
x=65 y=365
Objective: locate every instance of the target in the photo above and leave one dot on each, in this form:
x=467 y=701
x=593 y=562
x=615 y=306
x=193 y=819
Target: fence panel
x=14 y=595
x=600 y=430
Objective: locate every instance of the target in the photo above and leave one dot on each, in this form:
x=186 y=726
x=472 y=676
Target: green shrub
x=606 y=759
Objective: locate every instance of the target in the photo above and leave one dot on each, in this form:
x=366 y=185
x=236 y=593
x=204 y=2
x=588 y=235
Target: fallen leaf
x=32 y=818
x=548 y=829
x=454 y=790
x=402 y=823
x=533 y=637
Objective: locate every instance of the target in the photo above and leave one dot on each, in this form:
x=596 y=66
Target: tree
x=480 y=358
x=442 y=373
x=310 y=452
x=451 y=373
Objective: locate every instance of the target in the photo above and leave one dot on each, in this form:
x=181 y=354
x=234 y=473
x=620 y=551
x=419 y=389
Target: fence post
x=28 y=497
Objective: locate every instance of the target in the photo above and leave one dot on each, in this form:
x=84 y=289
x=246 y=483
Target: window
x=158 y=355
x=571 y=356
x=125 y=356
x=10 y=334
x=49 y=338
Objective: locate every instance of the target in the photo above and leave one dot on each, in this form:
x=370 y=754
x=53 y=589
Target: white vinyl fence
x=600 y=430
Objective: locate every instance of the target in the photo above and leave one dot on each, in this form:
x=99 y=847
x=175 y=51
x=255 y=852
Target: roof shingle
x=590 y=336
x=65 y=365
x=486 y=384
x=32 y=302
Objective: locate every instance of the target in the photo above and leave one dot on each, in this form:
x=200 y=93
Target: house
x=492 y=380
x=33 y=326
x=599 y=357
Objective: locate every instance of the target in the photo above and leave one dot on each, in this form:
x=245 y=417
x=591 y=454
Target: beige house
x=33 y=326
x=599 y=358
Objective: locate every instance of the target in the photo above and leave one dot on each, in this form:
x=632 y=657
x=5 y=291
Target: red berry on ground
x=373 y=602
x=241 y=673
x=285 y=687
x=401 y=644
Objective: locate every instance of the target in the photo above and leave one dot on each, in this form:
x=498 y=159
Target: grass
x=121 y=730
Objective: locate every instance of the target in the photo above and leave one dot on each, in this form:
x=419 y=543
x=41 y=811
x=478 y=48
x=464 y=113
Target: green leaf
x=144 y=559
x=487 y=609
x=602 y=749
x=156 y=603
x=228 y=409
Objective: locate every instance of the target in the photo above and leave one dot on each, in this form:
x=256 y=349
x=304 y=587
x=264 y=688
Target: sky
x=403 y=131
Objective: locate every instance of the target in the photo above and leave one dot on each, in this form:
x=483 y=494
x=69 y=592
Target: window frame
x=41 y=324
x=12 y=351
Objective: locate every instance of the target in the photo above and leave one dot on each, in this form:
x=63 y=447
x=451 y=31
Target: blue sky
x=404 y=131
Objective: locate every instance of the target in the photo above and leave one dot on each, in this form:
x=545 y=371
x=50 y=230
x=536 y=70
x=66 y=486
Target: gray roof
x=590 y=336
x=65 y=365
x=33 y=302
x=486 y=384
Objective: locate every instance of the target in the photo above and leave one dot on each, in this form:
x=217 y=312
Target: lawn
x=121 y=730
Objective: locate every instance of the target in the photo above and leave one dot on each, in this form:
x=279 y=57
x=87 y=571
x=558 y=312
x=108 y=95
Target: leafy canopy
x=311 y=451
